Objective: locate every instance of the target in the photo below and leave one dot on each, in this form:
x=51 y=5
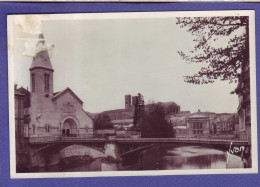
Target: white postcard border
x=136 y=15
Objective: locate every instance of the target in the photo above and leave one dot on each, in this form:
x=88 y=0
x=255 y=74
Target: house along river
x=164 y=158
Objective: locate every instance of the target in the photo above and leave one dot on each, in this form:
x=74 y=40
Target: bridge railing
x=179 y=139
x=98 y=138
x=81 y=139
x=64 y=138
x=43 y=139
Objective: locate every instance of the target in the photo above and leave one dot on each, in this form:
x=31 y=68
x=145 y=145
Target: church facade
x=52 y=114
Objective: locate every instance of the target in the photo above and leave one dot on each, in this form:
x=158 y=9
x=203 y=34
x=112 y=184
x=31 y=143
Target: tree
x=154 y=123
x=224 y=60
x=102 y=122
x=139 y=111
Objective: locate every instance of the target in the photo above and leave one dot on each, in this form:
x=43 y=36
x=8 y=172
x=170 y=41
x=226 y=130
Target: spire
x=42 y=58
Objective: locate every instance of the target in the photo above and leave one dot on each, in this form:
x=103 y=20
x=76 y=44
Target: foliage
x=224 y=59
x=154 y=123
x=102 y=122
x=170 y=108
x=139 y=111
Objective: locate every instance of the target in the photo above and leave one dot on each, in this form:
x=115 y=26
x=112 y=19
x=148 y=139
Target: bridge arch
x=59 y=147
x=52 y=154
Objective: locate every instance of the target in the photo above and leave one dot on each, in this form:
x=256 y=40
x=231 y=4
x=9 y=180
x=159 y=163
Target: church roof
x=18 y=93
x=42 y=58
x=64 y=91
x=55 y=93
x=22 y=90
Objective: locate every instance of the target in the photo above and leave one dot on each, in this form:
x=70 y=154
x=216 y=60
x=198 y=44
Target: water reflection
x=189 y=157
x=164 y=158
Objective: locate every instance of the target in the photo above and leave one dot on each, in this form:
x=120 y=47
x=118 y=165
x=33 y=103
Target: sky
x=102 y=60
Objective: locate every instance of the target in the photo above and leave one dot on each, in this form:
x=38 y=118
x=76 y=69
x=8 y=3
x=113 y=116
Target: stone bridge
x=124 y=148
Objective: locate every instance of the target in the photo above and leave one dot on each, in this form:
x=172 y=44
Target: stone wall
x=80 y=150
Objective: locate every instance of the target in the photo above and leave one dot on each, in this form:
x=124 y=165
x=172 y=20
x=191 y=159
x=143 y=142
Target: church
x=49 y=113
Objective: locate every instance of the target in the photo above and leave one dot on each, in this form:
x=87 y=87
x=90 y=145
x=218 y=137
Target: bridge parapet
x=58 y=139
x=43 y=139
x=53 y=139
x=182 y=140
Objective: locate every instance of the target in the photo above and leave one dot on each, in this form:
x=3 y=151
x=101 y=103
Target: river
x=164 y=158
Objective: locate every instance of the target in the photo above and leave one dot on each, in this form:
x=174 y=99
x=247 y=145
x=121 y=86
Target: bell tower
x=41 y=78
x=41 y=71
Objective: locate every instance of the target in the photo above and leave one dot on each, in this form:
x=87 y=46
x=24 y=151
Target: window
x=34 y=129
x=46 y=82
x=47 y=128
x=200 y=125
x=33 y=82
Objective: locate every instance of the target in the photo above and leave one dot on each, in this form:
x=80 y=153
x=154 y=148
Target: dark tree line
x=150 y=119
x=154 y=123
x=102 y=121
x=139 y=111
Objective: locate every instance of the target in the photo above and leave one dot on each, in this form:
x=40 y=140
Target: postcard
x=132 y=94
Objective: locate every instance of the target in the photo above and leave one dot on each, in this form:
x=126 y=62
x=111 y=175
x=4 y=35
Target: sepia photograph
x=137 y=93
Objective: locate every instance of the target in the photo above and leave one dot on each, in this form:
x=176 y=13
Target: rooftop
x=41 y=59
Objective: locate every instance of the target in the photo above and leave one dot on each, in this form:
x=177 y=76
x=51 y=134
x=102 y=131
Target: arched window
x=33 y=82
x=46 y=82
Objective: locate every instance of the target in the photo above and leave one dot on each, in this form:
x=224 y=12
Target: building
x=243 y=110
x=124 y=117
x=122 y=124
x=206 y=123
x=128 y=101
x=134 y=100
x=178 y=122
x=119 y=114
x=224 y=123
x=50 y=113
x=198 y=124
x=19 y=120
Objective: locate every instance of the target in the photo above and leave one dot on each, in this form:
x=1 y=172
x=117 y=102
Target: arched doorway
x=69 y=128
